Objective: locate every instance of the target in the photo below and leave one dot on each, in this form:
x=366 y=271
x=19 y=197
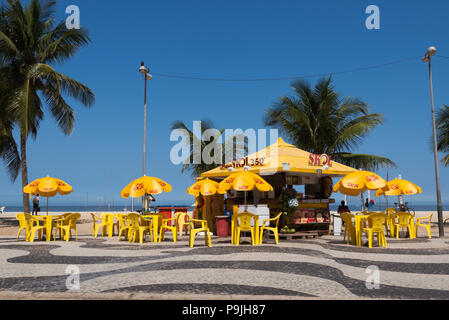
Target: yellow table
x=157 y=219
x=256 y=227
x=48 y=223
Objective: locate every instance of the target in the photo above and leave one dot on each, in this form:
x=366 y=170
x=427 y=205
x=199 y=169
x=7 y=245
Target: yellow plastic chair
x=110 y=224
x=376 y=225
x=66 y=225
x=124 y=226
x=24 y=224
x=181 y=218
x=194 y=231
x=427 y=225
x=243 y=223
x=349 y=230
x=404 y=220
x=103 y=223
x=274 y=229
x=139 y=226
x=167 y=225
x=36 y=226
x=390 y=213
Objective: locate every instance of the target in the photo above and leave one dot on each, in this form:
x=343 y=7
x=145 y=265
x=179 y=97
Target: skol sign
x=319 y=160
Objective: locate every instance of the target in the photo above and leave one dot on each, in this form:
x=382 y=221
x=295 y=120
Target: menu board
x=303 y=216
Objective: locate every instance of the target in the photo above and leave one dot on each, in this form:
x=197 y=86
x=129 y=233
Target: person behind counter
x=343 y=208
x=291 y=192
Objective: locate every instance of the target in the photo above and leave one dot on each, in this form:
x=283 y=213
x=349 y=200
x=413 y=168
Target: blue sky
x=236 y=39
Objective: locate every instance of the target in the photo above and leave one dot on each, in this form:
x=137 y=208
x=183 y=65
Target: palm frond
x=319 y=120
x=363 y=161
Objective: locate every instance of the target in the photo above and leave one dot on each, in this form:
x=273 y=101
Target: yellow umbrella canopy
x=145 y=185
x=244 y=181
x=358 y=182
x=205 y=187
x=48 y=187
x=399 y=187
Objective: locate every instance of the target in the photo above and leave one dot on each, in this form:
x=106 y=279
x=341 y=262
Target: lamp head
x=430 y=52
x=143 y=69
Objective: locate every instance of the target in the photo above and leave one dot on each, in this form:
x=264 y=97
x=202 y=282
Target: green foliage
x=319 y=121
x=30 y=42
x=284 y=198
x=442 y=125
x=218 y=144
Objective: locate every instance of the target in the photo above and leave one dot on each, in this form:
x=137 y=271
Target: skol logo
x=319 y=160
x=138 y=186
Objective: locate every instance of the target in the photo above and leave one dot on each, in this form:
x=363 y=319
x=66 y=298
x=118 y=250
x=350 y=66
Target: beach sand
x=9 y=224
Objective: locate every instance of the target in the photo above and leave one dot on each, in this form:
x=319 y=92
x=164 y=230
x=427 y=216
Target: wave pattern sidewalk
x=323 y=268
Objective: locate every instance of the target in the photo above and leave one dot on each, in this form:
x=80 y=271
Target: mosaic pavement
x=321 y=268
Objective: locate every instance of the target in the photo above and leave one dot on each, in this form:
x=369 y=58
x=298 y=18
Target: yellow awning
x=282 y=157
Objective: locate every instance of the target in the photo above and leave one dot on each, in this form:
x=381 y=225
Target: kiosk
x=284 y=166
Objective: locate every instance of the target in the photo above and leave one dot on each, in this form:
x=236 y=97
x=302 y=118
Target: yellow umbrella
x=205 y=187
x=48 y=187
x=359 y=182
x=145 y=185
x=399 y=187
x=244 y=181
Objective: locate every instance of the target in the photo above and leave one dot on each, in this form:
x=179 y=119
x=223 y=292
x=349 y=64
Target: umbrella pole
x=363 y=202
x=246 y=207
x=47 y=206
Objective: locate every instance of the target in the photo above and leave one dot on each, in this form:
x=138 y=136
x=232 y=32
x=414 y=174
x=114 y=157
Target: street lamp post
x=147 y=76
x=428 y=58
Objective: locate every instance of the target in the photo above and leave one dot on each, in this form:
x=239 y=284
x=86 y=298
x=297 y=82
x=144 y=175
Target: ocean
x=81 y=208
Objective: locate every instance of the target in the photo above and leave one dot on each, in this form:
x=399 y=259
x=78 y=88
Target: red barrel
x=222 y=224
x=166 y=211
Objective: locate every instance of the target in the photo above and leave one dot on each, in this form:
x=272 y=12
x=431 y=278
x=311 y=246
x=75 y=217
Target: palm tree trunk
x=26 y=202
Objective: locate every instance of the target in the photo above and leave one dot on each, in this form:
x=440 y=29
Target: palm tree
x=8 y=147
x=30 y=44
x=320 y=121
x=238 y=143
x=442 y=124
